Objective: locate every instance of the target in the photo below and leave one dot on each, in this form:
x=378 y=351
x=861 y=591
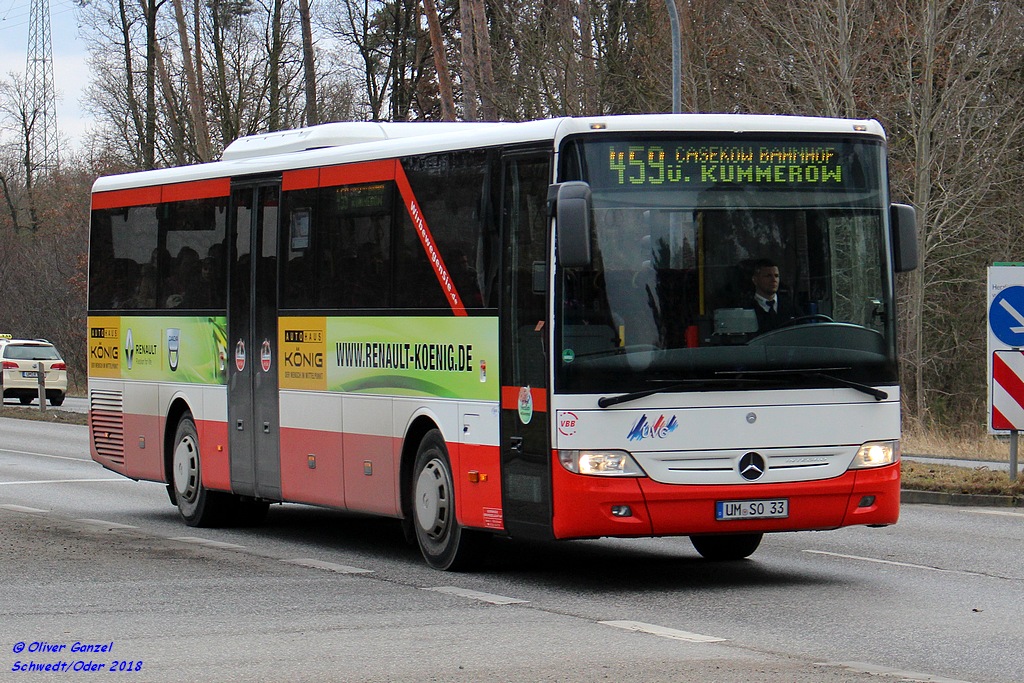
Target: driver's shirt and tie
x=769 y=312
x=767 y=305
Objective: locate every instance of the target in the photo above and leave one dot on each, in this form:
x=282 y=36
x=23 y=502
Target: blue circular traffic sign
x=1006 y=316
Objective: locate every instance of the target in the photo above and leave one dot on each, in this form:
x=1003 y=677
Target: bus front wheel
x=442 y=540
x=198 y=506
x=726 y=547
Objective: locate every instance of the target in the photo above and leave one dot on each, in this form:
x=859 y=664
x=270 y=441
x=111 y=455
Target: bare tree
x=444 y=79
x=191 y=57
x=312 y=115
x=17 y=180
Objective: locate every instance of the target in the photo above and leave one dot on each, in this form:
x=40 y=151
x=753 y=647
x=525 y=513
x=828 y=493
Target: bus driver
x=771 y=309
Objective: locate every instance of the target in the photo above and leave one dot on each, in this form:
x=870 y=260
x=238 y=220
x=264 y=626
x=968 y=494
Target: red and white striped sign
x=1008 y=390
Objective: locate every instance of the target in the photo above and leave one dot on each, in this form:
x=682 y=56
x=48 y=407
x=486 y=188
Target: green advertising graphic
x=189 y=349
x=447 y=357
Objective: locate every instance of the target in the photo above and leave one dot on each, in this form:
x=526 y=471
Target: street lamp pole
x=677 y=59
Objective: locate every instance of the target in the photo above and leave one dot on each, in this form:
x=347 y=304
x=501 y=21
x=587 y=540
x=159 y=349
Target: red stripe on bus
x=510 y=399
x=117 y=199
x=353 y=174
x=199 y=189
x=302 y=179
x=157 y=194
x=419 y=223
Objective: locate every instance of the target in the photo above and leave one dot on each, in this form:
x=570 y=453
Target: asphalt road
x=90 y=557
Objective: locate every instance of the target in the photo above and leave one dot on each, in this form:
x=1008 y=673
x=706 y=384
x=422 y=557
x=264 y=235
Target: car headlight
x=600 y=463
x=876 y=454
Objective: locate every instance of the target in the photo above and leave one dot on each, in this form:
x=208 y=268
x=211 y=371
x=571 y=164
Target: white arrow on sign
x=1016 y=315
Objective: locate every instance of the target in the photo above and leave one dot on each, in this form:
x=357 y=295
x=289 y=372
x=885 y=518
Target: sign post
x=1005 y=357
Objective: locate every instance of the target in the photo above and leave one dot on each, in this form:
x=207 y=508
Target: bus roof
x=348 y=142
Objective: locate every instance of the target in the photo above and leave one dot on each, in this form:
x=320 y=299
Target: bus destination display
x=708 y=164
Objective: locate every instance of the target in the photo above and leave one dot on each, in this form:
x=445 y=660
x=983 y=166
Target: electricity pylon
x=43 y=152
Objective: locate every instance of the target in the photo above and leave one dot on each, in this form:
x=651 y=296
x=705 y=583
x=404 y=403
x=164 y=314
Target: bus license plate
x=752 y=509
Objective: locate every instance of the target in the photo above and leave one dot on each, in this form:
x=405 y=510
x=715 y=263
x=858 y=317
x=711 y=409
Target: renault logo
x=752 y=466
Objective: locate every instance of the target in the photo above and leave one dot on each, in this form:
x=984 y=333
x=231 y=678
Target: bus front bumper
x=590 y=507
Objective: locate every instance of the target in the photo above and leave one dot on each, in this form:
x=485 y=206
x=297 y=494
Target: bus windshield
x=728 y=264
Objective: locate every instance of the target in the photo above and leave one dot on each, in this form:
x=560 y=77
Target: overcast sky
x=70 y=72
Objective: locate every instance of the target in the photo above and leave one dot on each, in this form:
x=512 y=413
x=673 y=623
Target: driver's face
x=766 y=281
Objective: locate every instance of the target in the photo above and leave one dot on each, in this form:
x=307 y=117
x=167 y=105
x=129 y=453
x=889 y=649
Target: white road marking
x=663 y=631
x=46 y=455
x=328 y=566
x=207 y=542
x=895 y=564
x=477 y=595
x=105 y=524
x=1002 y=513
x=58 y=481
x=23 y=508
x=876 y=670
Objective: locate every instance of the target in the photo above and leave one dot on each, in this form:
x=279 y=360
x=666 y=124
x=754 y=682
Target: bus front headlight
x=600 y=463
x=876 y=454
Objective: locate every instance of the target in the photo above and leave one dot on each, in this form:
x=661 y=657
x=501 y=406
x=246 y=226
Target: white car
x=20 y=377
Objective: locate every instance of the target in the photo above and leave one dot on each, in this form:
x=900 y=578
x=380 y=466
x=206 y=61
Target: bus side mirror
x=571 y=209
x=903 y=220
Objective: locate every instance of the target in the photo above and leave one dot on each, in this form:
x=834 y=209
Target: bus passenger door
x=253 y=420
x=525 y=420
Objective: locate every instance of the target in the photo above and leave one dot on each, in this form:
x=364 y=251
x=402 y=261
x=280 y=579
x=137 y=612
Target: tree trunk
x=482 y=38
x=149 y=9
x=444 y=78
x=312 y=114
x=274 y=66
x=196 y=104
x=134 y=110
x=470 y=111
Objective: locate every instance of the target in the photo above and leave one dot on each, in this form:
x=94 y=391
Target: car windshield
x=30 y=352
x=718 y=264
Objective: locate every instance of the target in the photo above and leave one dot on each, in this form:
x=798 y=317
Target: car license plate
x=30 y=374
x=752 y=509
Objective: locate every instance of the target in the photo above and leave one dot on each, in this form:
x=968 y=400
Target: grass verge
x=51 y=415
x=919 y=476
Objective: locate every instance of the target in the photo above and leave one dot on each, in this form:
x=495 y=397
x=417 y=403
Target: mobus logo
x=661 y=428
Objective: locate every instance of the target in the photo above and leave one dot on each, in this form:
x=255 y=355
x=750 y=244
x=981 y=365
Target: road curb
x=910 y=497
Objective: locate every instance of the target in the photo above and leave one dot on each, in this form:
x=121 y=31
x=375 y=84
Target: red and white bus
x=544 y=330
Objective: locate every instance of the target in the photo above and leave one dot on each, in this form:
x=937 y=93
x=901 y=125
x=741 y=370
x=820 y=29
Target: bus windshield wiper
x=818 y=373
x=608 y=401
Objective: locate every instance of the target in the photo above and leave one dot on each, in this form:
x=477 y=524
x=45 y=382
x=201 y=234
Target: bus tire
x=726 y=547
x=443 y=542
x=198 y=506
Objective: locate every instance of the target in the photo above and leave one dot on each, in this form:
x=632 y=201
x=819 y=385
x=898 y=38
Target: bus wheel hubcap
x=433 y=500
x=186 y=468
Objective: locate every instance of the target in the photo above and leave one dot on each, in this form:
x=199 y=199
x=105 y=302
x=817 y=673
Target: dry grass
x=966 y=443
x=954 y=479
x=51 y=415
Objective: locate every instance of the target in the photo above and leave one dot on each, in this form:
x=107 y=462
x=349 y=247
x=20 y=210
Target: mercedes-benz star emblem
x=752 y=466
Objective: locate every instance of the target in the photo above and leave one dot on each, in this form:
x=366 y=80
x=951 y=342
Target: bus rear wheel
x=726 y=547
x=198 y=506
x=444 y=543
